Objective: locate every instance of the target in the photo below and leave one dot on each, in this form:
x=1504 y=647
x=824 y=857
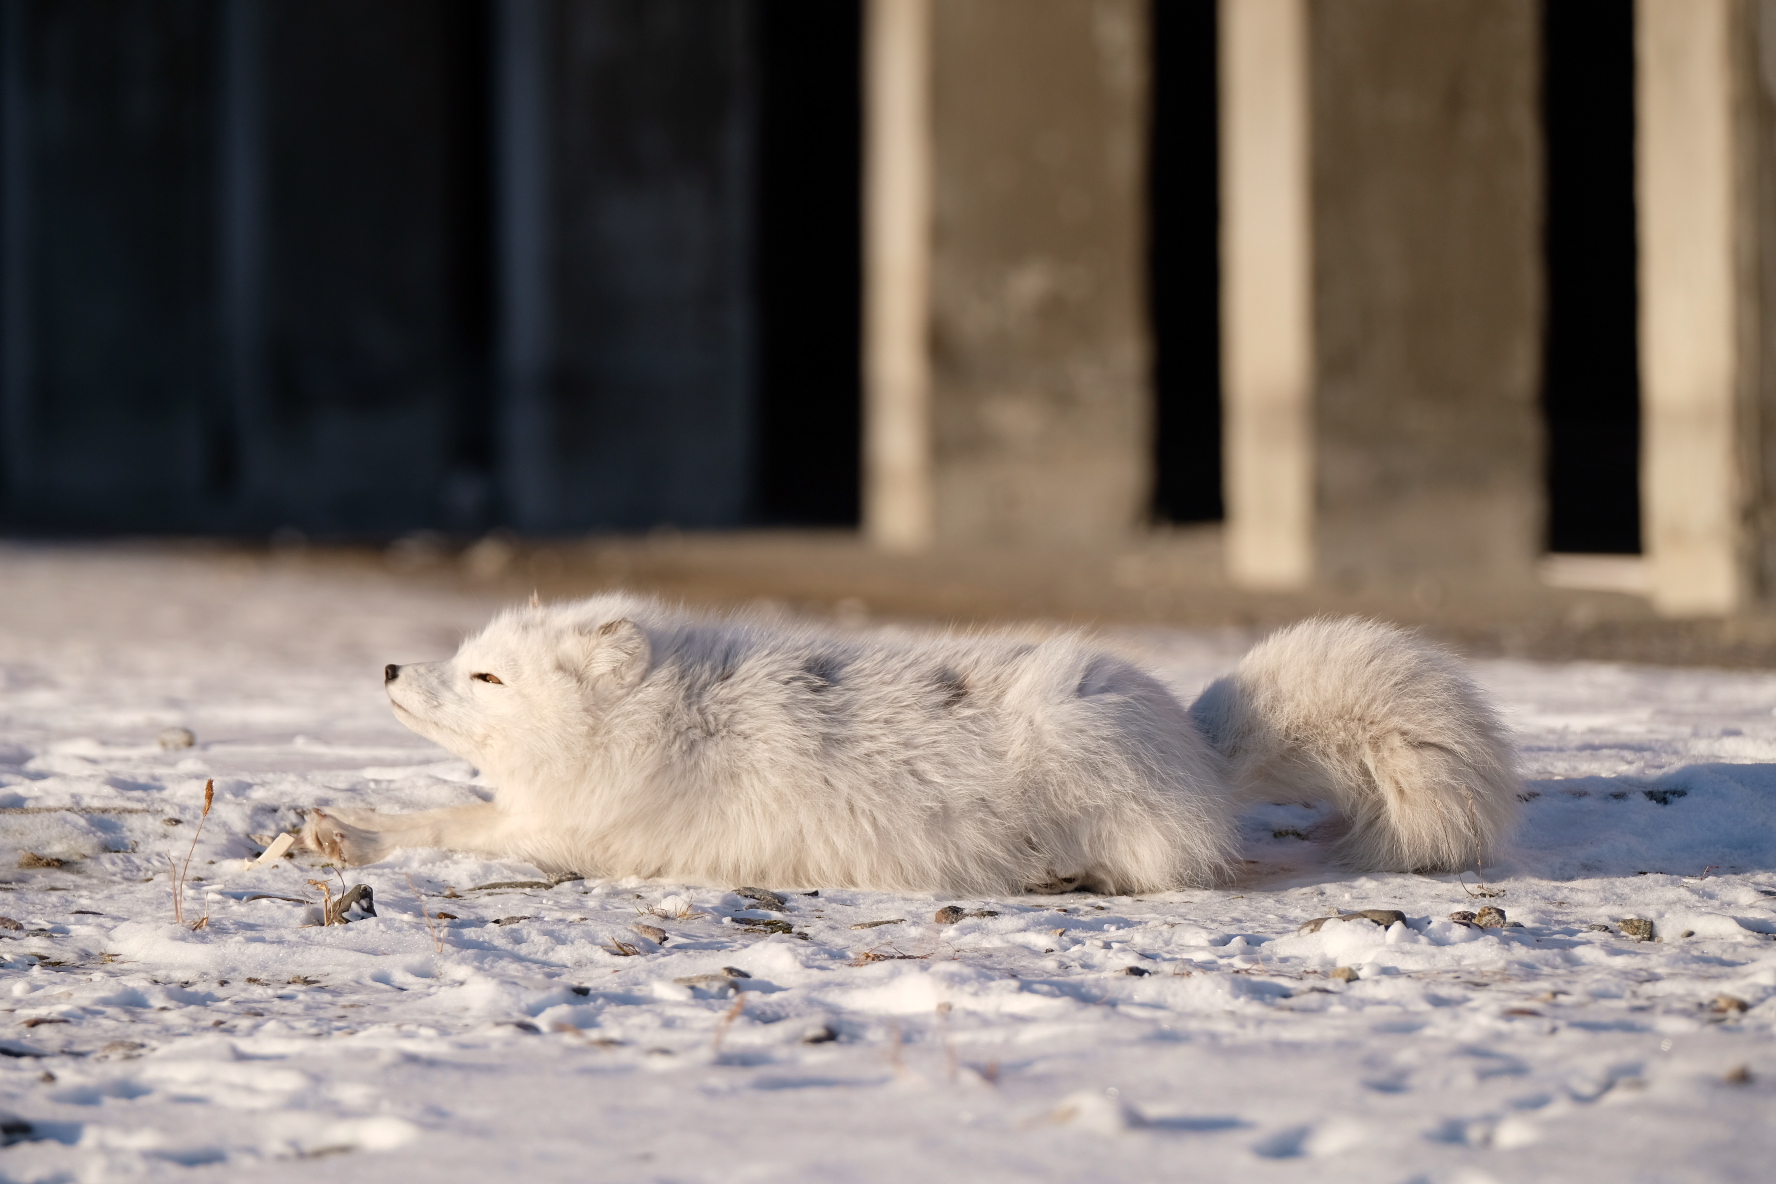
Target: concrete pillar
x=1006 y=356
x=1041 y=394
x=1427 y=205
x=1381 y=255
x=1266 y=293
x=897 y=495
x=1697 y=294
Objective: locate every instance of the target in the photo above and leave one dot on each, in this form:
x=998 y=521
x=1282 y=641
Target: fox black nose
x=390 y=672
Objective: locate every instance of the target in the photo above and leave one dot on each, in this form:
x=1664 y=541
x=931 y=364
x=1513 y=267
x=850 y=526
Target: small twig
x=326 y=901
x=733 y=1013
x=182 y=874
x=1713 y=867
x=178 y=893
x=943 y=1028
x=567 y=1029
x=430 y=926
x=1481 y=891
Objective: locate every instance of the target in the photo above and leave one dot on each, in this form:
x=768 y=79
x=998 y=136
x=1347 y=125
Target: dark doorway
x=807 y=263
x=265 y=264
x=1184 y=264
x=1592 y=380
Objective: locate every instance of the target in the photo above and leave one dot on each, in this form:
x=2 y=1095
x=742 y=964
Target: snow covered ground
x=538 y=1032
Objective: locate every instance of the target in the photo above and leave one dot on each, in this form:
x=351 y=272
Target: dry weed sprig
x=943 y=1031
x=732 y=1014
x=326 y=900
x=182 y=874
x=578 y=1033
x=431 y=926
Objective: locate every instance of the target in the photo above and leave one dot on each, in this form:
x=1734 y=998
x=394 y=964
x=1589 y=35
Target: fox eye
x=492 y=678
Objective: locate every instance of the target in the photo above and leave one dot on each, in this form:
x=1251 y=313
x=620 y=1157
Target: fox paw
x=348 y=837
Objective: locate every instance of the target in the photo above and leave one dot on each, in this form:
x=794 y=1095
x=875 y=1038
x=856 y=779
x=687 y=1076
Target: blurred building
x=359 y=269
x=1404 y=292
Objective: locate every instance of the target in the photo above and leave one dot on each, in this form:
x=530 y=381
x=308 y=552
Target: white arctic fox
x=630 y=739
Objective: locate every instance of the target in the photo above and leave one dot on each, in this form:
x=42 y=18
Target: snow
x=1015 y=1044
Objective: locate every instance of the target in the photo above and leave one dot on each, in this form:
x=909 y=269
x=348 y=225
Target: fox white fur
x=626 y=738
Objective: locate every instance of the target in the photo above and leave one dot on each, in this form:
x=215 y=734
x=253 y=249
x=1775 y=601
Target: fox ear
x=614 y=655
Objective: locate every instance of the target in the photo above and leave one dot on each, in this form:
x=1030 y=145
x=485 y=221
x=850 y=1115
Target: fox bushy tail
x=1386 y=726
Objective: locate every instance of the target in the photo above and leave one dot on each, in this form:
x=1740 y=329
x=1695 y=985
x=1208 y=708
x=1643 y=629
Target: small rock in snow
x=709 y=982
x=1381 y=917
x=949 y=914
x=877 y=924
x=31 y=859
x=1596 y=927
x=1738 y=1075
x=13 y=1129
x=764 y=898
x=1490 y=917
x=824 y=1034
x=512 y=920
x=357 y=903
x=1729 y=1004
x=9 y=923
x=651 y=932
x=1462 y=917
x=173 y=738
x=1344 y=974
x=1136 y=971
x=1639 y=928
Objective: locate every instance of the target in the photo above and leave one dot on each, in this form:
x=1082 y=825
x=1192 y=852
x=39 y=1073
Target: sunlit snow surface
x=1006 y=1047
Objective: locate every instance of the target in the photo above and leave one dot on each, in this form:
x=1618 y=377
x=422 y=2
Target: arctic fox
x=627 y=738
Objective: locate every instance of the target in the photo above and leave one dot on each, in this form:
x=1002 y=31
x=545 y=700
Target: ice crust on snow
x=550 y=1038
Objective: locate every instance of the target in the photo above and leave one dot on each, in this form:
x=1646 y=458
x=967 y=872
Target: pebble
x=652 y=932
x=9 y=923
x=824 y=1034
x=1490 y=917
x=1344 y=974
x=1639 y=928
x=1136 y=971
x=173 y=738
x=1729 y=1004
x=13 y=1129
x=1381 y=917
x=358 y=902
x=1738 y=1075
x=949 y=914
x=725 y=979
x=764 y=898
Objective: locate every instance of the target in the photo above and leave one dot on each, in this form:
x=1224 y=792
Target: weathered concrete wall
x=1757 y=322
x=1427 y=289
x=1039 y=388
